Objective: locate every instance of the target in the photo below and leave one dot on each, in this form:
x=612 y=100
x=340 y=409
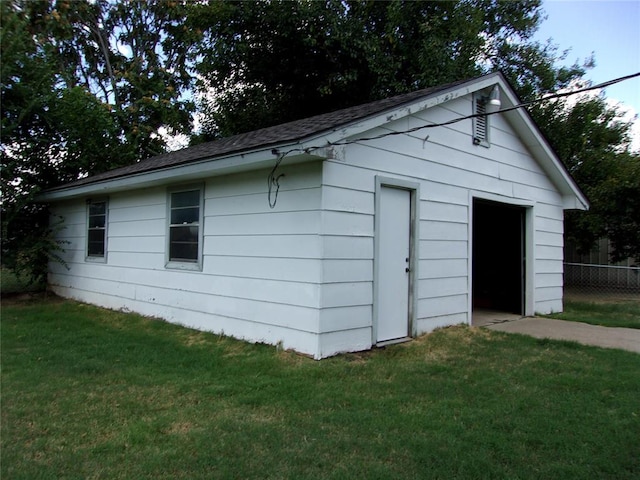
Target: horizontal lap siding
x=523 y=179
x=447 y=166
x=549 y=255
x=305 y=268
x=261 y=272
x=265 y=262
x=347 y=289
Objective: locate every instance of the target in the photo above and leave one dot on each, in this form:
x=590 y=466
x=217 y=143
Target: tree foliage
x=271 y=62
x=593 y=142
x=86 y=86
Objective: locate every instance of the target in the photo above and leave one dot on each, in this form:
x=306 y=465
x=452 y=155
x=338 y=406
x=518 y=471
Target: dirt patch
x=444 y=343
x=194 y=338
x=179 y=428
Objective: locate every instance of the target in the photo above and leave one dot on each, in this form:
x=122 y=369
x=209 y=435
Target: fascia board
x=263 y=157
x=209 y=167
x=351 y=131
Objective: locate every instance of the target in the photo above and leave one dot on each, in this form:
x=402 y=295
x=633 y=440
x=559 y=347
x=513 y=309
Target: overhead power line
x=273 y=179
x=502 y=110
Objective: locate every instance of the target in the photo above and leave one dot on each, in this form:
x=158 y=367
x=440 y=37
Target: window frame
x=105 y=237
x=185 y=264
x=481 y=124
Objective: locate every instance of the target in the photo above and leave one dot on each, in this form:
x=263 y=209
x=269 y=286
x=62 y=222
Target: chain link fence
x=591 y=282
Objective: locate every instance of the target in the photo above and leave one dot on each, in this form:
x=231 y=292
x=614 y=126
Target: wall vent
x=480 y=122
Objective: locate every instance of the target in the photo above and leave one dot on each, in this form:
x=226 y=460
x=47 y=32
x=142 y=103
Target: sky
x=610 y=29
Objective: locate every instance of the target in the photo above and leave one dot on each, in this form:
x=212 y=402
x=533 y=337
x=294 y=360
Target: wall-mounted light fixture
x=494 y=99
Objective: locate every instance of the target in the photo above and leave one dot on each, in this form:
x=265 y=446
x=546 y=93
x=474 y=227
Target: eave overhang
x=208 y=167
x=318 y=145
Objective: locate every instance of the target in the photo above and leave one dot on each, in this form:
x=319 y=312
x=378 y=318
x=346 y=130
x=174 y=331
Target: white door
x=392 y=282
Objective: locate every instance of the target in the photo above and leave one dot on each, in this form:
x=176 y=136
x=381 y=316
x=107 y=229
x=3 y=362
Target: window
x=96 y=229
x=185 y=218
x=480 y=122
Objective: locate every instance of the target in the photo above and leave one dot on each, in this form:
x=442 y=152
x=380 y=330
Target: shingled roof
x=264 y=137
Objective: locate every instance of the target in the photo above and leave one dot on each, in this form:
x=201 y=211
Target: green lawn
x=91 y=393
x=609 y=314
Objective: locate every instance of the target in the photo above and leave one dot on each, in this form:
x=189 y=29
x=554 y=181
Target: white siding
x=261 y=271
x=302 y=274
x=347 y=289
x=447 y=166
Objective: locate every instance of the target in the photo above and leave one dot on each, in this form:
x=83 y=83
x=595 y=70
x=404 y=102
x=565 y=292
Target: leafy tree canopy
x=593 y=142
x=85 y=86
x=270 y=62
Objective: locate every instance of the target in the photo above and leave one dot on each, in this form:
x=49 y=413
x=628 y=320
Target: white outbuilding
x=335 y=233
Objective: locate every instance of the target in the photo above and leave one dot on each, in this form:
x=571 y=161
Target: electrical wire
x=273 y=179
x=503 y=110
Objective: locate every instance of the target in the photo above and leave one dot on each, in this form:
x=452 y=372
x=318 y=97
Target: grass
x=92 y=393
x=620 y=314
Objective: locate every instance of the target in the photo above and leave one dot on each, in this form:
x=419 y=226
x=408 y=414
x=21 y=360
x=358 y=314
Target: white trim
x=540 y=148
x=529 y=242
x=95 y=258
x=185 y=265
x=414 y=260
x=492 y=197
x=369 y=123
x=191 y=172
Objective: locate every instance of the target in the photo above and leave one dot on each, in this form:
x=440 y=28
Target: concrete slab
x=608 y=337
x=483 y=317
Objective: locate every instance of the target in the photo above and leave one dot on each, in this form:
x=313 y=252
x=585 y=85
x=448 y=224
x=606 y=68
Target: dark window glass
x=96 y=247
x=185 y=199
x=97 y=221
x=184 y=228
x=97 y=231
x=184 y=215
x=99 y=208
x=184 y=234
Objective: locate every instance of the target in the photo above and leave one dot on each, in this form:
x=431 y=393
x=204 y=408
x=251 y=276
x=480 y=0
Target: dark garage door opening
x=498 y=257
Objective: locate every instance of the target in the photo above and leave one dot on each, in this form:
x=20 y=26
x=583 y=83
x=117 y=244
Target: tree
x=593 y=142
x=86 y=86
x=65 y=77
x=618 y=207
x=271 y=62
x=131 y=56
x=89 y=85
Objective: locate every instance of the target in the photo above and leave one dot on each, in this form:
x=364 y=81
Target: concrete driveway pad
x=608 y=337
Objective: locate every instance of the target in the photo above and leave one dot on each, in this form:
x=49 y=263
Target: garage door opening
x=498 y=262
